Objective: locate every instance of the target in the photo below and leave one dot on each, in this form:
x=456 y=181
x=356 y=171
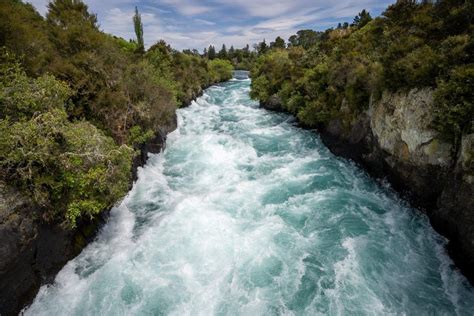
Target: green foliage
x=220 y=70
x=75 y=102
x=64 y=165
x=138 y=27
x=454 y=100
x=23 y=31
x=271 y=71
x=278 y=43
x=362 y=19
x=21 y=97
x=262 y=48
x=240 y=58
x=222 y=53
x=65 y=13
x=314 y=113
x=338 y=72
x=126 y=46
x=211 y=52
x=138 y=136
x=305 y=38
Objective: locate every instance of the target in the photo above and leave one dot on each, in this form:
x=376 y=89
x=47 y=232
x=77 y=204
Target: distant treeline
x=76 y=103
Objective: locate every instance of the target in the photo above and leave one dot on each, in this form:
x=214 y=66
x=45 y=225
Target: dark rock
x=274 y=103
x=154 y=146
x=31 y=252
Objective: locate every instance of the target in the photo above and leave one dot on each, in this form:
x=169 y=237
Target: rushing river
x=246 y=214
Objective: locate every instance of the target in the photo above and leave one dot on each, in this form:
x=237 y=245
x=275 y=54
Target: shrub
x=220 y=70
x=454 y=101
x=69 y=168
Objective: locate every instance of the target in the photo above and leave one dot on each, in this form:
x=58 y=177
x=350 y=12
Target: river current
x=246 y=214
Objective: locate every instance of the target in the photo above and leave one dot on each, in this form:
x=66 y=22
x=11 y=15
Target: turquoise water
x=245 y=214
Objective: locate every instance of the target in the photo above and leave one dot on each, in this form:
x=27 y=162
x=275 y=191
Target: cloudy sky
x=198 y=23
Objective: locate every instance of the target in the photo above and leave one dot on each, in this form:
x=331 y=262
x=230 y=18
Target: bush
x=70 y=169
x=454 y=101
x=220 y=70
x=21 y=97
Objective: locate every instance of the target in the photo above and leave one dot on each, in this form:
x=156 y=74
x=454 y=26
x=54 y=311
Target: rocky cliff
x=393 y=140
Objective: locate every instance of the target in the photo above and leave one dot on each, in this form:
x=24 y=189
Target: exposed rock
x=274 y=103
x=401 y=121
x=466 y=158
x=32 y=252
x=154 y=146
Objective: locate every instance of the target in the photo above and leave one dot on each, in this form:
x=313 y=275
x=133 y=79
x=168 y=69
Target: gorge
x=245 y=213
x=143 y=173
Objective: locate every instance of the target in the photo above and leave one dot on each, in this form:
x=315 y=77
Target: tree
x=138 y=25
x=247 y=48
x=278 y=43
x=223 y=52
x=231 y=53
x=293 y=41
x=262 y=47
x=65 y=12
x=220 y=69
x=211 y=52
x=362 y=19
x=305 y=38
x=72 y=27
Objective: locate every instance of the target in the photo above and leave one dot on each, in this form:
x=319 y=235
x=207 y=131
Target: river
x=246 y=214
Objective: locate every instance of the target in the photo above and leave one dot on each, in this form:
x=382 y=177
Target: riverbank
x=33 y=251
x=427 y=177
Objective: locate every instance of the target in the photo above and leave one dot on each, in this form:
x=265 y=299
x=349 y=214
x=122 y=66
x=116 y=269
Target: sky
x=199 y=23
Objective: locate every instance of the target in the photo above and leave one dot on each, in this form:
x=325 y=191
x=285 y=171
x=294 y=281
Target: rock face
x=31 y=253
x=393 y=140
x=154 y=146
x=400 y=124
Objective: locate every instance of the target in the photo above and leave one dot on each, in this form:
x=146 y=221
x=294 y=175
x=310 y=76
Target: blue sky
x=199 y=23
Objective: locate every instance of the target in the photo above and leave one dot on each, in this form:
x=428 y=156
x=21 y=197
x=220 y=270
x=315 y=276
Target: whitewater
x=244 y=213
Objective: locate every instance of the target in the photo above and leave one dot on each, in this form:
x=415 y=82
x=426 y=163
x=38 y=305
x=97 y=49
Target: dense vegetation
x=241 y=58
x=337 y=73
x=76 y=103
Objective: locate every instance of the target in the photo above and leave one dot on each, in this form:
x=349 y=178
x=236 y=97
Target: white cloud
x=205 y=22
x=187 y=7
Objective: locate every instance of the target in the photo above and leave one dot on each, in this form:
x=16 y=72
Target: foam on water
x=245 y=214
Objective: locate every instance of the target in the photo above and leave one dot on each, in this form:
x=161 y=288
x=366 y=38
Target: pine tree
x=362 y=19
x=211 y=52
x=231 y=53
x=137 y=23
x=223 y=52
x=262 y=47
